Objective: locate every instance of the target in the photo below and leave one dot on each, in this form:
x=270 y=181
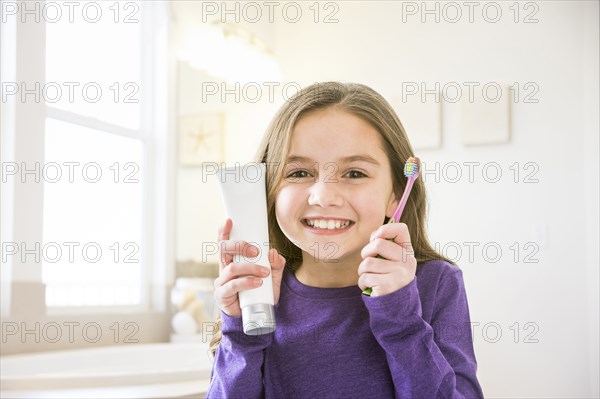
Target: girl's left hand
x=397 y=266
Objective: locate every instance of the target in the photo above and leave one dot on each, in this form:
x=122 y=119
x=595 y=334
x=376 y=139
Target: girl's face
x=337 y=186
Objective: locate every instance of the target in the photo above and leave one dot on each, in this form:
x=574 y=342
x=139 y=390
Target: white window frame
x=155 y=132
x=7 y=112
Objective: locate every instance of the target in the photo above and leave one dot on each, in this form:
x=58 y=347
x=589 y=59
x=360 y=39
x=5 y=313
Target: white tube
x=244 y=195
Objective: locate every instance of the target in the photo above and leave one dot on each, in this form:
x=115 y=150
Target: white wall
x=199 y=207
x=591 y=143
x=559 y=135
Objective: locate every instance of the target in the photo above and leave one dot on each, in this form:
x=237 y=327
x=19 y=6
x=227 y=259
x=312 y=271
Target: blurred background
x=115 y=116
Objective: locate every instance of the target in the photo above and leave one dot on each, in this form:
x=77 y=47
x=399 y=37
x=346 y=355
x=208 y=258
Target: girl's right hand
x=230 y=283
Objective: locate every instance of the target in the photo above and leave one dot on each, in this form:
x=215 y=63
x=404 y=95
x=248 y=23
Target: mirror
x=491 y=95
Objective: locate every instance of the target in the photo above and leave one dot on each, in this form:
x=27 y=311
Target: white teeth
x=327 y=224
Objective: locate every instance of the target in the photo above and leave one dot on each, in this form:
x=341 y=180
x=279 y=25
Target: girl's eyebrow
x=363 y=158
x=343 y=160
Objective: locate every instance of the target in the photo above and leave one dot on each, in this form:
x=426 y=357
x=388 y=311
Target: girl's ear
x=392 y=205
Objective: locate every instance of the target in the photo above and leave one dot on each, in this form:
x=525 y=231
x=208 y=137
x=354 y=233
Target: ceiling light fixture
x=229 y=52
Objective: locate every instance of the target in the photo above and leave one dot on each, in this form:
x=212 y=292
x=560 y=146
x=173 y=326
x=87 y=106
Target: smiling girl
x=335 y=155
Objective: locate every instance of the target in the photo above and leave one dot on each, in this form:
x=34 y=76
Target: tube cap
x=258 y=319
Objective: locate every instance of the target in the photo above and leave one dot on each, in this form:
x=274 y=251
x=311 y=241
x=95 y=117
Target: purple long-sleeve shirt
x=337 y=343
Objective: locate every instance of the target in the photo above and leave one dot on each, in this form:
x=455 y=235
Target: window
x=95 y=130
x=95 y=147
x=100 y=152
x=92 y=217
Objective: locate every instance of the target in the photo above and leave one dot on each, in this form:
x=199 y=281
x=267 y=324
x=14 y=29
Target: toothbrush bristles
x=411 y=167
x=411 y=171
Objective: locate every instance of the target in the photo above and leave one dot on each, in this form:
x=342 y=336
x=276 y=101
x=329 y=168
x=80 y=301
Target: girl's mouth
x=327 y=226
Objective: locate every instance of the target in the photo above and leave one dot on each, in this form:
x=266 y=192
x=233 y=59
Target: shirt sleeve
x=427 y=360
x=238 y=364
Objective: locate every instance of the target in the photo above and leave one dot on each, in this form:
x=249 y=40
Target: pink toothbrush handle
x=396 y=216
x=403 y=200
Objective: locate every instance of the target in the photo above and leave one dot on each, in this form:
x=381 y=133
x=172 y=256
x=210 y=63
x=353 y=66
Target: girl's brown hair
x=364 y=102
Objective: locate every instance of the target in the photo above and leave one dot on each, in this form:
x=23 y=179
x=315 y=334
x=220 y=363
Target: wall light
x=228 y=52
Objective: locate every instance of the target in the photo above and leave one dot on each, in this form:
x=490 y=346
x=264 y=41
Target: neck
x=329 y=273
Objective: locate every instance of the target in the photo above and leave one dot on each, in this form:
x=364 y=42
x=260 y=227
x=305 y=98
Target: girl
x=335 y=155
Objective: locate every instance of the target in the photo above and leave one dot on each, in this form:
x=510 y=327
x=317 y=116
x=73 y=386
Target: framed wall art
x=201 y=138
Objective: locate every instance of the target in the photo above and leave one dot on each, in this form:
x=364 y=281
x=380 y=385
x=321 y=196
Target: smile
x=327 y=224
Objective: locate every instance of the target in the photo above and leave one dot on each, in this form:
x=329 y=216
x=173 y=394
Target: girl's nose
x=325 y=193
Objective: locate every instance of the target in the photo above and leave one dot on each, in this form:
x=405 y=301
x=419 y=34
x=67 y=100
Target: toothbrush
x=411 y=171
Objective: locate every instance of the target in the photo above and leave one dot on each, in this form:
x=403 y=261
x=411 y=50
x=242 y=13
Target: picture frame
x=201 y=138
x=422 y=121
x=485 y=121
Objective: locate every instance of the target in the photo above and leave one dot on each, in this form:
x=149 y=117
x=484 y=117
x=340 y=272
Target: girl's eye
x=355 y=174
x=297 y=174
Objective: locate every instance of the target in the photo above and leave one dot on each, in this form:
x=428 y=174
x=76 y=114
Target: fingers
x=229 y=248
x=388 y=250
x=388 y=260
x=225 y=230
x=228 y=292
x=397 y=232
x=239 y=247
x=233 y=287
x=235 y=270
x=249 y=274
x=381 y=285
x=223 y=235
x=237 y=277
x=384 y=276
x=276 y=260
x=376 y=266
